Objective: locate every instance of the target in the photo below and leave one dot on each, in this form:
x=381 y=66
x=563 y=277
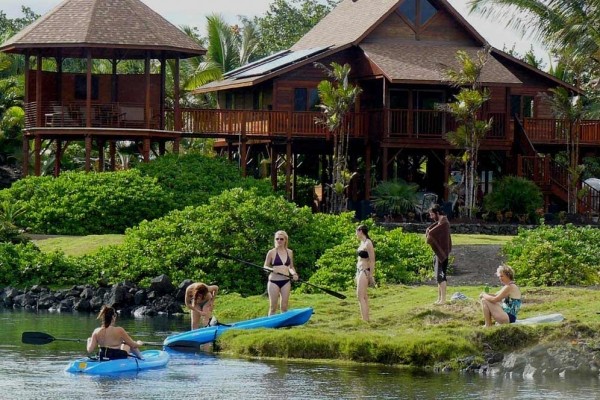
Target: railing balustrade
x=547 y=130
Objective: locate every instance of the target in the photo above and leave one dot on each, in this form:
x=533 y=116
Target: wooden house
x=398 y=51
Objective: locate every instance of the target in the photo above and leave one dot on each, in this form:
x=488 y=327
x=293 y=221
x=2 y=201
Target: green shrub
x=394 y=197
x=515 y=194
x=192 y=178
x=25 y=265
x=554 y=256
x=238 y=222
x=399 y=258
x=78 y=203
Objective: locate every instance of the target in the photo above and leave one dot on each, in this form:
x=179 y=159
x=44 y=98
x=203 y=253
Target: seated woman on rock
x=506 y=303
x=113 y=341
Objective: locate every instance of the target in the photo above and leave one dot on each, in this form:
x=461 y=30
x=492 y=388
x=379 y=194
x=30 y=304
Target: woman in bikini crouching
x=506 y=303
x=200 y=299
x=280 y=260
x=113 y=341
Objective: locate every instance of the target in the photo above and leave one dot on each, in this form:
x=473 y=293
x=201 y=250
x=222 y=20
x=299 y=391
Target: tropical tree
x=465 y=109
x=337 y=96
x=567 y=27
x=287 y=21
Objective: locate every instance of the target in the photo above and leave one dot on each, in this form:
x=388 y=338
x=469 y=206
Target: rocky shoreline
x=161 y=297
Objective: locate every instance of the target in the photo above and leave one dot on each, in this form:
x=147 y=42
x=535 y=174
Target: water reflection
x=33 y=372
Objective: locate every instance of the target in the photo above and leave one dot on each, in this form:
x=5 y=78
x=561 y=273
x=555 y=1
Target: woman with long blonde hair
x=280 y=260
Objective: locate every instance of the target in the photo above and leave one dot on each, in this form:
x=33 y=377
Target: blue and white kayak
x=294 y=317
x=152 y=359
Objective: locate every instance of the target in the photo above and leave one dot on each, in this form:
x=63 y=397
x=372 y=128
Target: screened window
x=300 y=99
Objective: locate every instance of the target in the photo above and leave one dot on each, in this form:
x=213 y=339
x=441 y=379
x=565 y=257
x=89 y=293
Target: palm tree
x=337 y=97
x=471 y=130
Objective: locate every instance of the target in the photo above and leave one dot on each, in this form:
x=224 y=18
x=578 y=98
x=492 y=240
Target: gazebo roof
x=124 y=29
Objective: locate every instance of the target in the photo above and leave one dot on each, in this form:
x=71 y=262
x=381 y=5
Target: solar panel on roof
x=254 y=63
x=280 y=62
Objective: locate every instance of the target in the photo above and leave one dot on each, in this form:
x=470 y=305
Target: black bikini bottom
x=280 y=283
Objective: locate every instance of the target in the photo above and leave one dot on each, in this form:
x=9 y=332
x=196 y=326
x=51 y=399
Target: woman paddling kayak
x=113 y=341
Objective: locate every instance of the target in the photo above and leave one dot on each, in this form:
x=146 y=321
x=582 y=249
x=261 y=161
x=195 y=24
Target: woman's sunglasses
x=279 y=239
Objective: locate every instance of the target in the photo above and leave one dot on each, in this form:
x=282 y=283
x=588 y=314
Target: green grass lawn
x=81 y=245
x=77 y=245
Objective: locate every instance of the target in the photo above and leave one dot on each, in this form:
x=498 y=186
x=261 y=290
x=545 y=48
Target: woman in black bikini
x=365 y=269
x=280 y=260
x=113 y=341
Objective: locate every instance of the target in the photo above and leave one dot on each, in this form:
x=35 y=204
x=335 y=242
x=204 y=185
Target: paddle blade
x=332 y=293
x=36 y=338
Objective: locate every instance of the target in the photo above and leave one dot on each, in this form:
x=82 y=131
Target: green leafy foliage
x=26 y=265
x=400 y=258
x=240 y=223
x=394 y=197
x=78 y=203
x=287 y=21
x=511 y=193
x=192 y=179
x=553 y=256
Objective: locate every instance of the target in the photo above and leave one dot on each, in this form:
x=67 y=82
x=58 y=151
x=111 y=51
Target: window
x=300 y=99
x=306 y=99
x=418 y=12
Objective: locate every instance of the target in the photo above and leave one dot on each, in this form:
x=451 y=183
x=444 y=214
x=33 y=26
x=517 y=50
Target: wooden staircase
x=551 y=177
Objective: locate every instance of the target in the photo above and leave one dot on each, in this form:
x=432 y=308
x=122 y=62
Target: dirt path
x=474 y=265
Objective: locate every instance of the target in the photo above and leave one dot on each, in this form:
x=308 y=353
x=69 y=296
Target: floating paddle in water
x=328 y=291
x=44 y=338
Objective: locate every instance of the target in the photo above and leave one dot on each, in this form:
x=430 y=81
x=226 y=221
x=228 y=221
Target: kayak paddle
x=328 y=291
x=44 y=338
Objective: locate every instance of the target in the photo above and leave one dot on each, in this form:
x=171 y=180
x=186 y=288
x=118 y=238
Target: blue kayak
x=152 y=359
x=190 y=339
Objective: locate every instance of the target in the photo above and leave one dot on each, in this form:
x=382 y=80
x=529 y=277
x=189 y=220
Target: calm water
x=36 y=372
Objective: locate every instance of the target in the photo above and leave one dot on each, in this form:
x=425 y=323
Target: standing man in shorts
x=438 y=237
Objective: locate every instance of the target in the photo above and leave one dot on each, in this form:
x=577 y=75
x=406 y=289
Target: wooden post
x=273 y=167
x=25 y=162
x=59 y=151
x=112 y=153
x=88 y=100
x=100 y=143
x=447 y=167
x=384 y=172
x=88 y=152
x=38 y=93
x=243 y=145
x=147 y=109
x=163 y=74
x=176 y=108
x=146 y=154
x=38 y=154
x=368 y=171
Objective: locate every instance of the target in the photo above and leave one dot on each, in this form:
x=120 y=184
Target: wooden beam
x=37 y=154
x=147 y=108
x=176 y=95
x=38 y=93
x=88 y=152
x=112 y=153
x=57 y=158
x=88 y=95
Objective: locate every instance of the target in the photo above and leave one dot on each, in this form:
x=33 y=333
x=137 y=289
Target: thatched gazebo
x=100 y=108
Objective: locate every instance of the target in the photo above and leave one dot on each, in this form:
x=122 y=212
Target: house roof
x=424 y=62
x=399 y=60
x=110 y=28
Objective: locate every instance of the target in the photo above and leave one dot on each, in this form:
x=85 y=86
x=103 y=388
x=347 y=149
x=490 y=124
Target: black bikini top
x=363 y=253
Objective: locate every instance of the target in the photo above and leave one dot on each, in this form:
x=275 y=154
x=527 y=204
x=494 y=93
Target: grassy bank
x=81 y=245
x=406 y=329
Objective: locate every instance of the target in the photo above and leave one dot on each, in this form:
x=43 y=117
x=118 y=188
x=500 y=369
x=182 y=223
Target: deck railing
x=386 y=124
x=55 y=114
x=555 y=131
